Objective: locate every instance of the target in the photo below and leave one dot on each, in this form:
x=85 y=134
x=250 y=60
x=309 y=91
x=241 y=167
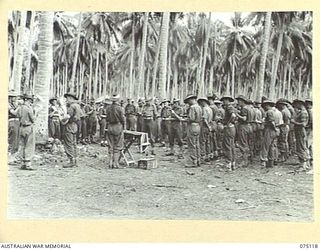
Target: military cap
x=71 y=94
x=203 y=98
x=242 y=97
x=227 y=98
x=268 y=102
x=189 y=97
x=115 y=98
x=283 y=101
x=308 y=101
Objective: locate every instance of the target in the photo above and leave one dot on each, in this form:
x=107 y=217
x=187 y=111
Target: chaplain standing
x=115 y=136
x=71 y=128
x=194 y=117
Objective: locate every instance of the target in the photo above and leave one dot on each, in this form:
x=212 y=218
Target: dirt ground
x=168 y=191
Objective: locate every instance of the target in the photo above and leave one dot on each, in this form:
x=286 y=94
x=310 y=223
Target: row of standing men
x=211 y=127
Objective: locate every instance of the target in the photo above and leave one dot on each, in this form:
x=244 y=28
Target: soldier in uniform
x=102 y=114
x=283 y=145
x=157 y=124
x=205 y=129
x=219 y=117
x=291 y=135
x=229 y=132
x=13 y=122
x=54 y=119
x=83 y=121
x=139 y=116
x=214 y=140
x=165 y=115
x=131 y=115
x=244 y=129
x=308 y=104
x=26 y=116
x=176 y=128
x=71 y=128
x=300 y=121
x=268 y=152
x=194 y=117
x=257 y=127
x=115 y=135
x=149 y=113
x=91 y=120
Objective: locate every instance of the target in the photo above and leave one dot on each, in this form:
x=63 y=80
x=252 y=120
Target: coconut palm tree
x=44 y=74
x=163 y=54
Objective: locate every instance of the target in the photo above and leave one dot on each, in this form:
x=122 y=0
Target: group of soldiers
x=213 y=128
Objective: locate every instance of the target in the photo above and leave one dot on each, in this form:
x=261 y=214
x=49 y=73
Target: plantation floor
x=167 y=192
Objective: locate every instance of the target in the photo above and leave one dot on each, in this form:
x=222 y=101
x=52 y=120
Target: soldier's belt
x=25 y=125
x=166 y=119
x=147 y=118
x=13 y=119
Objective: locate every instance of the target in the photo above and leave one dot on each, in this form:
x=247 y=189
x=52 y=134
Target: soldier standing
x=244 y=129
x=83 y=120
x=149 y=113
x=165 y=115
x=300 y=121
x=268 y=152
x=257 y=127
x=115 y=135
x=71 y=128
x=13 y=122
x=91 y=120
x=229 y=132
x=283 y=145
x=214 y=140
x=308 y=104
x=26 y=116
x=194 y=118
x=131 y=115
x=139 y=115
x=54 y=119
x=219 y=128
x=103 y=123
x=176 y=128
x=205 y=128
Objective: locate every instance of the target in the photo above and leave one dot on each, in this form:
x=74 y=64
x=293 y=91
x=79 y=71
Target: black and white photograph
x=160 y=115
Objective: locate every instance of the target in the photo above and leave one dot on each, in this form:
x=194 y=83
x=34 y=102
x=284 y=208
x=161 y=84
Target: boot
x=70 y=164
x=229 y=166
x=116 y=160
x=180 y=155
x=270 y=164
x=233 y=164
x=171 y=153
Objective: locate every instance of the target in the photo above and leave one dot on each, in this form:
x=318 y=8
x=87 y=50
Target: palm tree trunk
x=275 y=68
x=104 y=92
x=95 y=83
x=175 y=83
x=17 y=68
x=74 y=68
x=28 y=63
x=232 y=77
x=163 y=53
x=147 y=86
x=264 y=53
x=289 y=78
x=227 y=91
x=299 y=83
x=205 y=53
x=45 y=43
x=168 y=74
x=186 y=85
x=90 y=78
x=142 y=53
x=131 y=63
x=155 y=70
